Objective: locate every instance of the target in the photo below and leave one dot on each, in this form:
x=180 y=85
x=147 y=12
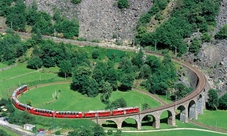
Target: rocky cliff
x=100 y=19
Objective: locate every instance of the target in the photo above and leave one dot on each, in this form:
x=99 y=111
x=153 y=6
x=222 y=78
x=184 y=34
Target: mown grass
x=72 y=100
x=19 y=75
x=214 y=118
x=174 y=133
x=2 y=65
x=8 y=131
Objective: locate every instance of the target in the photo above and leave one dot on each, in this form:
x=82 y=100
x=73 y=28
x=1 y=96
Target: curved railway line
x=199 y=88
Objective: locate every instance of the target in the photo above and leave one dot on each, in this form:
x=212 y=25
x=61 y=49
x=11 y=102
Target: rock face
x=100 y=19
x=213 y=56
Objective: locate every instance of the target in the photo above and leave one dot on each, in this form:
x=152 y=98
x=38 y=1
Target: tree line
x=186 y=18
x=22 y=18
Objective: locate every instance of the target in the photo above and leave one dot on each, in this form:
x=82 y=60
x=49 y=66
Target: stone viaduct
x=186 y=108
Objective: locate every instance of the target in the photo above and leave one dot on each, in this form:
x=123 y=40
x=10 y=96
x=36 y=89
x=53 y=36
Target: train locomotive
x=66 y=114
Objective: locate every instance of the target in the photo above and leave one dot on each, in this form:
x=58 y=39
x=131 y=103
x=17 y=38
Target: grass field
x=19 y=75
x=8 y=131
x=2 y=65
x=72 y=100
x=174 y=133
x=214 y=118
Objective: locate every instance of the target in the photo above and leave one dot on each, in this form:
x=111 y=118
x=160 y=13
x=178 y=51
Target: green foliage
x=11 y=47
x=186 y=18
x=16 y=18
x=118 y=103
x=122 y=4
x=95 y=54
x=212 y=99
x=65 y=68
x=3 y=133
x=106 y=90
x=163 y=78
x=206 y=37
x=25 y=117
x=195 y=46
x=57 y=133
x=126 y=81
x=222 y=34
x=110 y=132
x=180 y=91
x=76 y=1
x=145 y=106
x=35 y=63
x=223 y=102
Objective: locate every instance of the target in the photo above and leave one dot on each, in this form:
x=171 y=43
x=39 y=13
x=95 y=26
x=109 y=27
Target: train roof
x=22 y=86
x=15 y=99
x=126 y=108
x=43 y=110
x=97 y=111
x=68 y=111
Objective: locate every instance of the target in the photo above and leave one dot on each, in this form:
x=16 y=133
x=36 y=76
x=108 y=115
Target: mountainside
x=103 y=20
x=100 y=19
x=213 y=58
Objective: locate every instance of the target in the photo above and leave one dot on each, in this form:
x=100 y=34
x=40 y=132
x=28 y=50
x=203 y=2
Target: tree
x=35 y=63
x=181 y=91
x=97 y=75
x=195 y=45
x=138 y=59
x=65 y=68
x=118 y=103
x=223 y=102
x=145 y=71
x=126 y=81
x=106 y=92
x=78 y=75
x=17 y=16
x=111 y=77
x=212 y=99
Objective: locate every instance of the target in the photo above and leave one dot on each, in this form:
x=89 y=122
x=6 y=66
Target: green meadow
x=68 y=100
x=214 y=118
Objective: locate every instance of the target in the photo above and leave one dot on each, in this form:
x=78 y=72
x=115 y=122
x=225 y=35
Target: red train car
x=132 y=110
x=21 y=89
x=90 y=114
x=15 y=102
x=103 y=113
x=127 y=110
x=119 y=111
x=68 y=114
x=43 y=112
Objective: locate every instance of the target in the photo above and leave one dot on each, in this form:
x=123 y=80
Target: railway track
x=200 y=76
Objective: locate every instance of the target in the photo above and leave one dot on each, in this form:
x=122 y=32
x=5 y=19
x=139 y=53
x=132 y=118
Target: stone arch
x=109 y=123
x=183 y=113
x=155 y=120
x=123 y=123
x=192 y=110
x=170 y=119
x=200 y=104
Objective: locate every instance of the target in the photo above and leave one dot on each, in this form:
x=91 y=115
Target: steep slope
x=100 y=19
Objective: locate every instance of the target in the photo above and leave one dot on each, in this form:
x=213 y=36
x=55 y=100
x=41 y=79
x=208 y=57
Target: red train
x=66 y=114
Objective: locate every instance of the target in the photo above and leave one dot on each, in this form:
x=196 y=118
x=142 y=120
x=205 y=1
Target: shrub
x=75 y=1
x=123 y=4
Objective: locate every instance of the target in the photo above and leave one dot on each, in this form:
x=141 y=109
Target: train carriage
x=68 y=114
x=44 y=112
x=22 y=89
x=90 y=114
